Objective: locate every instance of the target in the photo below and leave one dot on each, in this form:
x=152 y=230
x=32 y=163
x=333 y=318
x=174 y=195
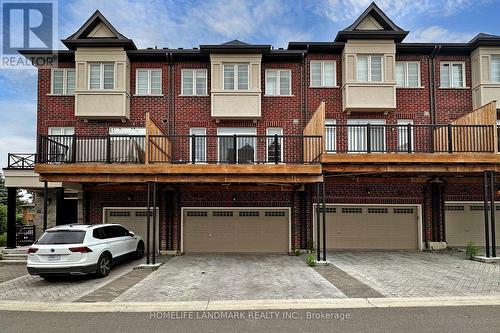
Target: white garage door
x=465 y=223
x=134 y=220
x=371 y=227
x=243 y=230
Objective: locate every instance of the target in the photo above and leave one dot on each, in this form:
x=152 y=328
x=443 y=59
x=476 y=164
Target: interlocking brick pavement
x=231 y=277
x=420 y=273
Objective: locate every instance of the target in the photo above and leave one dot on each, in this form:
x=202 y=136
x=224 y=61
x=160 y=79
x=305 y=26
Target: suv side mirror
x=131 y=234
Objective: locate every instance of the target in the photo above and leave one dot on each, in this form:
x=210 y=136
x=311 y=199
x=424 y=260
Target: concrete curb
x=242 y=305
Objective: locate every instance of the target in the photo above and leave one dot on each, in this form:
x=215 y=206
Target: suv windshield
x=62 y=237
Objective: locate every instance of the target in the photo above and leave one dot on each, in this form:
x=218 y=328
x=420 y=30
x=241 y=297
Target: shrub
x=472 y=250
x=3 y=239
x=297 y=252
x=311 y=260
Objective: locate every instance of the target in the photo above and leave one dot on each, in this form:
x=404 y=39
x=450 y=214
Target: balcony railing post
x=73 y=157
x=275 y=149
x=193 y=149
x=235 y=148
x=408 y=137
x=450 y=139
x=108 y=149
x=368 y=138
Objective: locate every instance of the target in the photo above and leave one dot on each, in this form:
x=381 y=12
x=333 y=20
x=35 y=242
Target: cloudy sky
x=177 y=23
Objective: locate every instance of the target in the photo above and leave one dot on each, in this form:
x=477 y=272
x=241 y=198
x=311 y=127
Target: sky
x=183 y=23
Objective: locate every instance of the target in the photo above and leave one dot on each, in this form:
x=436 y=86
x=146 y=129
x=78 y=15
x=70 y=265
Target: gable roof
x=483 y=39
x=388 y=29
x=82 y=36
x=235 y=42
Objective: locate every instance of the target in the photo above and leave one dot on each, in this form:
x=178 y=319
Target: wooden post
x=11 y=217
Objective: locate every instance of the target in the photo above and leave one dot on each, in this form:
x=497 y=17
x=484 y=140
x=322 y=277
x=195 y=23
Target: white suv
x=82 y=249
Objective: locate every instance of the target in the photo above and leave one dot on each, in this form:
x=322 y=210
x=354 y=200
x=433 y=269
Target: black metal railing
x=57 y=149
x=245 y=149
x=232 y=149
x=371 y=138
x=21 y=161
x=25 y=235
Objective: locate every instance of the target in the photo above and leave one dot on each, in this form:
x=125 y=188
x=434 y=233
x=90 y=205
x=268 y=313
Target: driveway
x=231 y=277
x=420 y=273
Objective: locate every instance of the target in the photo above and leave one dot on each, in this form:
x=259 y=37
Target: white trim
x=281 y=143
x=369 y=67
x=234 y=131
x=419 y=217
x=64 y=82
x=148 y=70
x=194 y=70
x=237 y=208
x=405 y=78
x=322 y=62
x=450 y=72
x=101 y=75
x=278 y=82
x=236 y=76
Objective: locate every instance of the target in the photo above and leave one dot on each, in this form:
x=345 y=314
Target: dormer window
x=101 y=75
x=370 y=68
x=235 y=76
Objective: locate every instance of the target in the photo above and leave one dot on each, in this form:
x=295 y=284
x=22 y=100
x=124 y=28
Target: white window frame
x=278 y=82
x=451 y=64
x=496 y=57
x=322 y=62
x=194 y=71
x=122 y=131
x=369 y=67
x=101 y=75
x=333 y=139
x=365 y=122
x=271 y=140
x=406 y=81
x=192 y=131
x=236 y=76
x=400 y=123
x=149 y=70
x=250 y=131
x=65 y=81
x=64 y=131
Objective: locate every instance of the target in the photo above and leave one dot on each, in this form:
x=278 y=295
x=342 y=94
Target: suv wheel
x=139 y=252
x=103 y=265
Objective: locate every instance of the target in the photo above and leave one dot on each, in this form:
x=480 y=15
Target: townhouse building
x=244 y=148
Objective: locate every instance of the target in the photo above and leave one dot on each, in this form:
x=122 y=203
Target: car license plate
x=54 y=257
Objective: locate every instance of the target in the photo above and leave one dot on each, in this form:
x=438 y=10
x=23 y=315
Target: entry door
x=357 y=135
x=246 y=147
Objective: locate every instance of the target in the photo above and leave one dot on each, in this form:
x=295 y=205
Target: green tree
x=3 y=218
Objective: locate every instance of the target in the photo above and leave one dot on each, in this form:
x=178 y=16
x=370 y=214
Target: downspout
x=170 y=60
x=432 y=85
x=304 y=90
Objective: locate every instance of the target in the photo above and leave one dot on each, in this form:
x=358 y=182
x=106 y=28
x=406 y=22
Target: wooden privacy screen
x=316 y=127
x=481 y=138
x=158 y=147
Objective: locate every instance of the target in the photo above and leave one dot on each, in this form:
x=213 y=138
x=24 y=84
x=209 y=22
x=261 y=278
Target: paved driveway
x=420 y=273
x=231 y=277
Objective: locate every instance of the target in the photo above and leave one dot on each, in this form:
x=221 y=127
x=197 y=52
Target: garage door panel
x=374 y=227
x=237 y=231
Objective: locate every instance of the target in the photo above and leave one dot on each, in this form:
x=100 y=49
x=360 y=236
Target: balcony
x=21 y=161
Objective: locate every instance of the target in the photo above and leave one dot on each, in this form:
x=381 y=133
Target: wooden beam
x=416 y=168
x=186 y=169
x=136 y=178
x=460 y=158
x=239 y=188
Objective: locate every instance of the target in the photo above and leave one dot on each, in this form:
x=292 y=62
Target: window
x=495 y=68
x=370 y=68
x=200 y=145
x=452 y=75
x=135 y=131
x=101 y=75
x=57 y=237
x=323 y=74
x=63 y=81
x=194 y=82
x=236 y=76
x=357 y=135
x=245 y=149
x=274 y=144
x=405 y=133
x=148 y=82
x=408 y=74
x=330 y=136
x=278 y=83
